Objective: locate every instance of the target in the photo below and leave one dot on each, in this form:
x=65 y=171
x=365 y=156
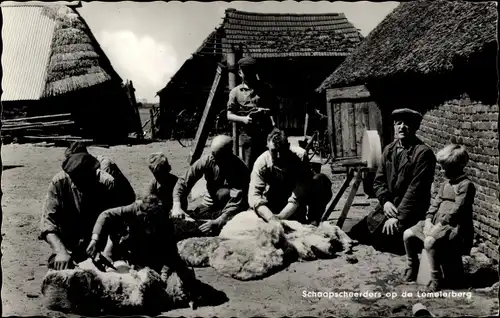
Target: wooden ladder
x=206 y=119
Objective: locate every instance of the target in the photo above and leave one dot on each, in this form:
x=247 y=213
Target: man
x=402 y=185
x=75 y=198
x=142 y=235
x=164 y=182
x=282 y=185
x=253 y=104
x=127 y=194
x=227 y=180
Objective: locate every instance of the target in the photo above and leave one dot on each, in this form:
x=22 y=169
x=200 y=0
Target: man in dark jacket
x=402 y=185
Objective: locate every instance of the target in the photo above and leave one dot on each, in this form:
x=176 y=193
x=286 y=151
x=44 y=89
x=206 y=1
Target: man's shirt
x=234 y=175
x=71 y=214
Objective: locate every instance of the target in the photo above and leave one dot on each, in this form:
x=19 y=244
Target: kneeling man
x=227 y=180
x=282 y=185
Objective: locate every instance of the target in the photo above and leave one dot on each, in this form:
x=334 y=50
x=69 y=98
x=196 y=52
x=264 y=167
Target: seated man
x=142 y=235
x=164 y=182
x=127 y=194
x=282 y=185
x=74 y=200
x=227 y=180
x=402 y=185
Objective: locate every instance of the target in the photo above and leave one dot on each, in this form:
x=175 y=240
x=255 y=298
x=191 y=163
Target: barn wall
x=475 y=125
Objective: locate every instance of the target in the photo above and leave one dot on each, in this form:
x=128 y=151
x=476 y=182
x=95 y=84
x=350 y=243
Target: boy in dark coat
x=402 y=185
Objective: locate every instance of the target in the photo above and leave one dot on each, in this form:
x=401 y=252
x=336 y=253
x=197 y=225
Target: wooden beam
x=331 y=128
x=231 y=63
x=38 y=125
x=352 y=92
x=7 y=121
x=206 y=120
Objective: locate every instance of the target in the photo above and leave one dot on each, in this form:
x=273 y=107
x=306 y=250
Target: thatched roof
x=49 y=51
x=420 y=37
x=267 y=35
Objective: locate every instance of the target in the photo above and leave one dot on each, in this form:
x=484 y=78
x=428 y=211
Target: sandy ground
x=29 y=169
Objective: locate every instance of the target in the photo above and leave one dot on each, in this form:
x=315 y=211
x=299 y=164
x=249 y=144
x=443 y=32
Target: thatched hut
x=53 y=64
x=288 y=47
x=439 y=57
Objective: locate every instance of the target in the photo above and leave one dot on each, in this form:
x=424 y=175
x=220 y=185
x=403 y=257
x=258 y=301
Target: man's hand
x=390 y=226
x=62 y=261
x=209 y=226
x=92 y=248
x=178 y=213
x=390 y=210
x=427 y=227
x=247 y=120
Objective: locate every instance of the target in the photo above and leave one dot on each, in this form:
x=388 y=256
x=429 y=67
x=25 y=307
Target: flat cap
x=247 y=61
x=158 y=161
x=406 y=113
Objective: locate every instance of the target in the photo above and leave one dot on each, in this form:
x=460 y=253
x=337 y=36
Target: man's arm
x=256 y=199
x=186 y=183
x=299 y=194
x=50 y=221
x=233 y=107
x=421 y=183
x=380 y=185
x=110 y=217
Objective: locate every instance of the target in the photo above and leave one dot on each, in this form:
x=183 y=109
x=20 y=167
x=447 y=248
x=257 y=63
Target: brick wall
x=475 y=126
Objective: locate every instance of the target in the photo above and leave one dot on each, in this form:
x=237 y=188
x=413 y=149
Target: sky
x=147 y=42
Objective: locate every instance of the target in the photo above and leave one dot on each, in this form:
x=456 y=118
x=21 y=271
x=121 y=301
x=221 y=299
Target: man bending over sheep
x=227 y=180
x=127 y=194
x=75 y=198
x=282 y=185
x=142 y=235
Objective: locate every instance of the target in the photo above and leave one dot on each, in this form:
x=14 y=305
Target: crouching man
x=142 y=236
x=75 y=198
x=227 y=180
x=282 y=185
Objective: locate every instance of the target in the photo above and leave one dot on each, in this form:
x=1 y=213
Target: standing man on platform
x=253 y=104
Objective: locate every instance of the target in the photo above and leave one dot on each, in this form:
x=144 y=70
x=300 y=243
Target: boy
x=164 y=181
x=448 y=223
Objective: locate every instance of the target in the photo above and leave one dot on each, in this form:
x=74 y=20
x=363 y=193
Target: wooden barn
x=439 y=57
x=288 y=47
x=52 y=64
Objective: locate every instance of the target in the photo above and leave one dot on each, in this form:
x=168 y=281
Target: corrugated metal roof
x=27 y=37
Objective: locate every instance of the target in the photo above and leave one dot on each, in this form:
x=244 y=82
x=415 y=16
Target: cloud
x=143 y=60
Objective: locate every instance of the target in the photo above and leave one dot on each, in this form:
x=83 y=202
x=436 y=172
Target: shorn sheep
x=88 y=291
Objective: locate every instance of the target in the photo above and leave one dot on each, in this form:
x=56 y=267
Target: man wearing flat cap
x=227 y=179
x=75 y=198
x=122 y=185
x=402 y=185
x=254 y=105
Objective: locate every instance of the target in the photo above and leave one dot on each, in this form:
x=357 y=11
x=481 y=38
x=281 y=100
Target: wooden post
x=133 y=102
x=231 y=65
x=331 y=128
x=152 y=123
x=1 y=195
x=306 y=124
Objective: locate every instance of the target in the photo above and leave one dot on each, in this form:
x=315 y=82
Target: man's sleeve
x=151 y=189
x=380 y=185
x=51 y=211
x=186 y=183
x=232 y=103
x=257 y=185
x=104 y=224
x=421 y=183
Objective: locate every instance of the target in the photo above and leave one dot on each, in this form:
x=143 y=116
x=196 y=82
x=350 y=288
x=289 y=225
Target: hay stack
x=76 y=60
